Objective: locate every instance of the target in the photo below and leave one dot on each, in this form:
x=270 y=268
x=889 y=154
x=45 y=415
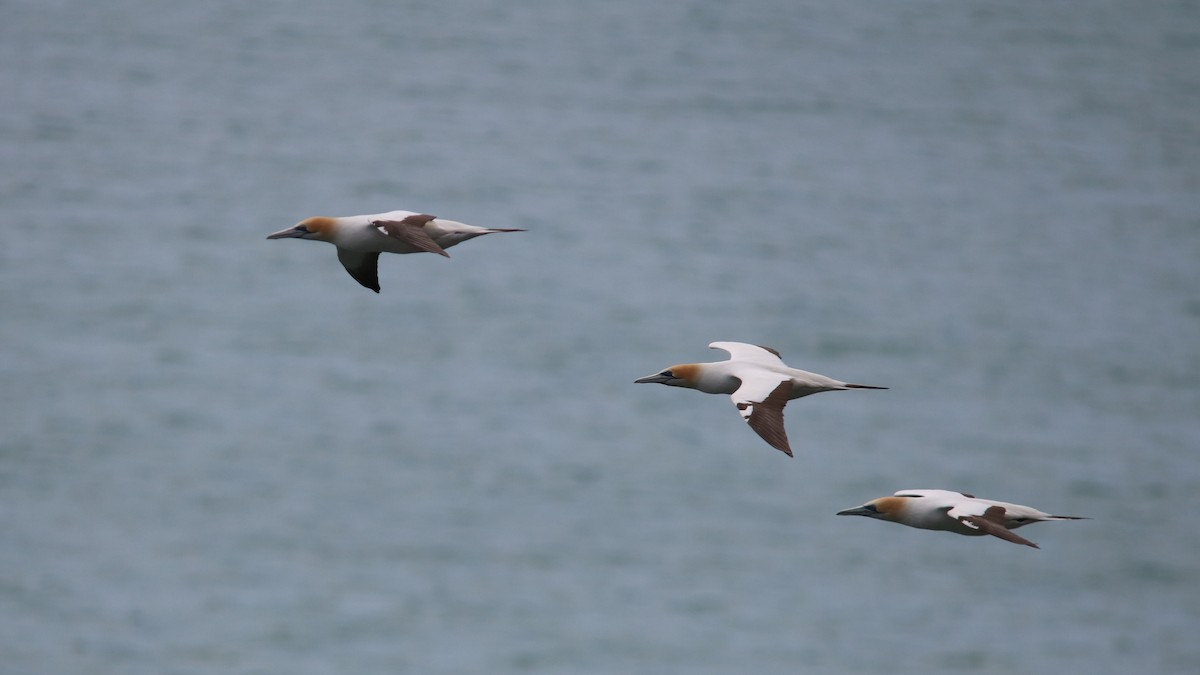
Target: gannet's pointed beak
x=868 y=510
x=297 y=232
x=657 y=378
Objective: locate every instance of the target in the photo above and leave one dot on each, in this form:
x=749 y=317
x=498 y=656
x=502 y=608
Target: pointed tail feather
x=863 y=386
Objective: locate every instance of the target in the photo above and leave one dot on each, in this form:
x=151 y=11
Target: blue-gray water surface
x=219 y=454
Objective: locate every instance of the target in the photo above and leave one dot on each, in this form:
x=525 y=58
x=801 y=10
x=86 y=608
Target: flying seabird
x=360 y=239
x=954 y=512
x=757 y=380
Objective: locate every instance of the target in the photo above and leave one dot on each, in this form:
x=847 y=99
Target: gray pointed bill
x=657 y=378
x=866 y=510
x=296 y=232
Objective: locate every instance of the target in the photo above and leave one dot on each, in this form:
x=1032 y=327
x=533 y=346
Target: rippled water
x=220 y=454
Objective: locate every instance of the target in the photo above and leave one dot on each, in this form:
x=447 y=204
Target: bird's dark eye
x=667 y=373
x=872 y=508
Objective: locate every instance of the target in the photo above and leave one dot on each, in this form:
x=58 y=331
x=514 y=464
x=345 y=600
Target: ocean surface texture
x=221 y=455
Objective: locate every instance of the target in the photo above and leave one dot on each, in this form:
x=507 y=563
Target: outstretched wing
x=992 y=522
x=411 y=230
x=364 y=267
x=953 y=495
x=742 y=351
x=760 y=403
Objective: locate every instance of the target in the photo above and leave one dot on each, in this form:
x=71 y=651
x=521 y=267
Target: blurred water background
x=219 y=454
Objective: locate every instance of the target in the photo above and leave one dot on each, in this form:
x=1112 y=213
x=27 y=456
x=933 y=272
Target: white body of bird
x=759 y=383
x=360 y=239
x=956 y=512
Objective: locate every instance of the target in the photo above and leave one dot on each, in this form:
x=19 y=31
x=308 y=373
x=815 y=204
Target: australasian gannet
x=954 y=512
x=360 y=239
x=758 y=381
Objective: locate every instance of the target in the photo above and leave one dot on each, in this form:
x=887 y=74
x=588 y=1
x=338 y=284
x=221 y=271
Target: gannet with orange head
x=360 y=239
x=758 y=381
x=956 y=512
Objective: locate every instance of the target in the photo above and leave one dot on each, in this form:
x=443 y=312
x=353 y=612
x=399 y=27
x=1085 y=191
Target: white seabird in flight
x=758 y=381
x=360 y=239
x=954 y=512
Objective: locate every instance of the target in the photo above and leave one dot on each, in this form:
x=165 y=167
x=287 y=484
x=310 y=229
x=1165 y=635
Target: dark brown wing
x=992 y=522
x=364 y=267
x=766 y=418
x=411 y=231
